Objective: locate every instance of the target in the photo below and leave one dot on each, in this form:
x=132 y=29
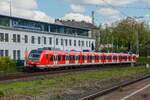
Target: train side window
x=120 y=57
x=77 y=57
x=51 y=58
x=108 y=57
x=100 y=57
x=91 y=57
x=88 y=57
x=96 y=58
x=114 y=57
x=67 y=58
x=55 y=58
x=104 y=57
x=83 y=58
x=126 y=58
x=59 y=58
x=73 y=57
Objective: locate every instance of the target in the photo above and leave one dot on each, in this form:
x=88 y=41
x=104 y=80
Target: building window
x=86 y=43
x=44 y=40
x=62 y=42
x=56 y=41
x=14 y=54
x=14 y=37
x=2 y=53
x=89 y=44
x=18 y=38
x=18 y=54
x=50 y=40
x=70 y=42
x=6 y=37
x=39 y=40
x=66 y=42
x=83 y=43
x=75 y=43
x=1 y=37
x=26 y=38
x=32 y=40
x=6 y=53
x=79 y=44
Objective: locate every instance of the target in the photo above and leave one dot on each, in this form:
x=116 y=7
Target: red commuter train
x=56 y=58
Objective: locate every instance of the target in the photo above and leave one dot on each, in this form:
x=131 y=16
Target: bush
x=144 y=60
x=7 y=65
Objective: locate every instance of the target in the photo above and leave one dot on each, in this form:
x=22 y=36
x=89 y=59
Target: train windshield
x=35 y=55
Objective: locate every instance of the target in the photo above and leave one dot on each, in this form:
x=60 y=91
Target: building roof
x=81 y=24
x=68 y=23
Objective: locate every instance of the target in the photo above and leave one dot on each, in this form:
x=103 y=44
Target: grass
x=59 y=83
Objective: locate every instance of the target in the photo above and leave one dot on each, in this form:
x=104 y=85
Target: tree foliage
x=125 y=35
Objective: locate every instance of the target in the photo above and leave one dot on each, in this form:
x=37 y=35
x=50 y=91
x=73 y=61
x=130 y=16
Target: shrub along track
x=31 y=75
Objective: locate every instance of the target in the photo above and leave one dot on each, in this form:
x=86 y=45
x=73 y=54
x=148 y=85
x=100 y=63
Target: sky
x=106 y=11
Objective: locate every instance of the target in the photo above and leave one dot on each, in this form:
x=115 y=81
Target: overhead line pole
x=10 y=4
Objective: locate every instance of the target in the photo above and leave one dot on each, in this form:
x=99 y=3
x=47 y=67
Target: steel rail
x=109 y=90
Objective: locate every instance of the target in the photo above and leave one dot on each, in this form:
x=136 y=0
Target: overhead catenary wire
x=115 y=8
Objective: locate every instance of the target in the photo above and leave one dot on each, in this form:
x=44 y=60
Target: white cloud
x=25 y=4
x=146 y=1
x=101 y=2
x=108 y=12
x=112 y=15
x=77 y=17
x=78 y=8
x=25 y=9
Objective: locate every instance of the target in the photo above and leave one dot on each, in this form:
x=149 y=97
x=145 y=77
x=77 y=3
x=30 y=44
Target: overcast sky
x=48 y=10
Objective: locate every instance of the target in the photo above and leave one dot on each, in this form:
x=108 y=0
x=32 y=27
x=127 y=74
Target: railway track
x=109 y=90
x=53 y=72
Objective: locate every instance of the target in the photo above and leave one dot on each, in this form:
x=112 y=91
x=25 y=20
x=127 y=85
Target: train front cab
x=47 y=59
x=134 y=58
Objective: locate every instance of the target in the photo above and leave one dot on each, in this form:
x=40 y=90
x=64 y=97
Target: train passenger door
x=120 y=58
x=58 y=58
x=85 y=61
x=63 y=59
x=130 y=58
x=104 y=58
x=109 y=58
x=114 y=58
x=71 y=59
x=76 y=58
x=100 y=58
x=67 y=59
